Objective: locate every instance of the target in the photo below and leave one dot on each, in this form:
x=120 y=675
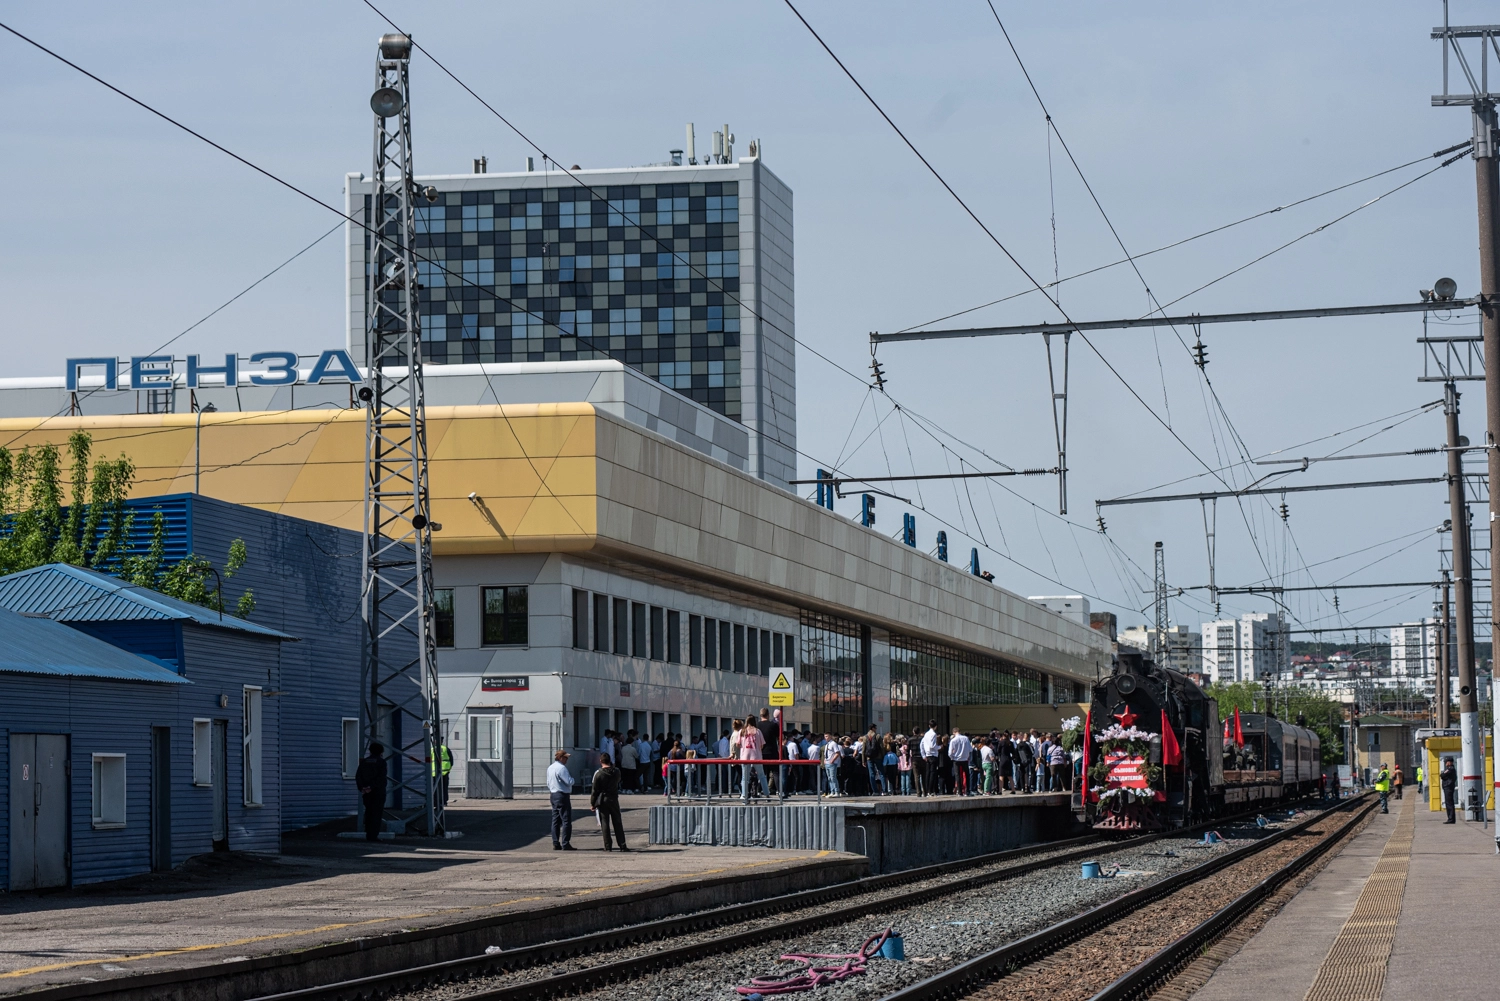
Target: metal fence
x=535 y=743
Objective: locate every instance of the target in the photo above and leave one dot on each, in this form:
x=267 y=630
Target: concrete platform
x=405 y=901
x=893 y=832
x=1444 y=935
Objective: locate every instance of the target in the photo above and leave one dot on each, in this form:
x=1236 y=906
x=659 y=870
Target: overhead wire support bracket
x=1214 y=494
x=838 y=480
x=1127 y=323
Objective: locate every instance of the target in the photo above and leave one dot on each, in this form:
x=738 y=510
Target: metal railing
x=705 y=778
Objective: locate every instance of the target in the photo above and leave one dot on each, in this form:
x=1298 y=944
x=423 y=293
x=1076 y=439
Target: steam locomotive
x=1155 y=756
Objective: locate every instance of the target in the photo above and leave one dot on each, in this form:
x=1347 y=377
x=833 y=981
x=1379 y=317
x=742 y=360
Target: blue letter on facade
x=111 y=365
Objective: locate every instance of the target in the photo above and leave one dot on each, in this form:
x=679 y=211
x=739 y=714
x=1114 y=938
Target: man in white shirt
x=791 y=777
x=643 y=762
x=560 y=788
x=607 y=744
x=832 y=754
x=959 y=749
x=929 y=749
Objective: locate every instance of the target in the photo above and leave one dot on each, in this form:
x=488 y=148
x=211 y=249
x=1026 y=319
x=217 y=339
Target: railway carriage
x=1155 y=756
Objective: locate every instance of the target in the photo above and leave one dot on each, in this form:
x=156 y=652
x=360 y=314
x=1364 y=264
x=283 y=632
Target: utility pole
x=1159 y=644
x=399 y=698
x=1445 y=662
x=1481 y=103
x=1463 y=562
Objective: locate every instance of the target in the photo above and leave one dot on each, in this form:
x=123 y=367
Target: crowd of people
x=851 y=764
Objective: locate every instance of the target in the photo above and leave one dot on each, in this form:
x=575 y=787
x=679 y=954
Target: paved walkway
x=326 y=889
x=1435 y=934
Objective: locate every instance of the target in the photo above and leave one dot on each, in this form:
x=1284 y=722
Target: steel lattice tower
x=399 y=703
x=1159 y=646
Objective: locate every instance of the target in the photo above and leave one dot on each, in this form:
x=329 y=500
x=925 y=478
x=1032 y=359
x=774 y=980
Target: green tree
x=94 y=529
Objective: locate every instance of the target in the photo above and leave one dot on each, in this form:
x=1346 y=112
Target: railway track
x=764 y=921
x=1061 y=962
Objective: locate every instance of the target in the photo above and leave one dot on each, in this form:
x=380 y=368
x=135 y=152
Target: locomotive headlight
x=1125 y=684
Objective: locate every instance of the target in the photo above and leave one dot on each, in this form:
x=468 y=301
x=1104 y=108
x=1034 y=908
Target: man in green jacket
x=1383 y=786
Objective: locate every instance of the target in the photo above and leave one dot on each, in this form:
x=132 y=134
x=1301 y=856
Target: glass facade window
x=580 y=619
x=505 y=616
x=637 y=629
x=695 y=639
x=601 y=622
x=442 y=615
x=646 y=274
x=765 y=653
x=832 y=660
x=658 y=633
x=724 y=645
x=927 y=678
x=674 y=637
x=739 y=649
x=622 y=627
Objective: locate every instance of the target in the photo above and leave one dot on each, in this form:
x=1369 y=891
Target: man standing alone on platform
x=1448 y=779
x=604 y=800
x=1421 y=781
x=929 y=750
x=1396 y=781
x=370 y=778
x=1383 y=786
x=560 y=788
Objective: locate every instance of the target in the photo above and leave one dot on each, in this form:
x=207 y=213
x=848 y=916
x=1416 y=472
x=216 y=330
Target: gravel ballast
x=937 y=934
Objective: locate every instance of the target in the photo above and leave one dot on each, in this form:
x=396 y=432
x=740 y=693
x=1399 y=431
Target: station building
x=596 y=574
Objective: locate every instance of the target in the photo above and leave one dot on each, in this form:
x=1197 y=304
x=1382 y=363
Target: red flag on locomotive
x=1171 y=751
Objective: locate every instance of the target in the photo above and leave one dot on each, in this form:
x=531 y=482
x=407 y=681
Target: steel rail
x=510 y=960
x=973 y=974
x=1140 y=981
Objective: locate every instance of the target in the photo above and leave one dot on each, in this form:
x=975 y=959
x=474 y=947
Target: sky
x=1181 y=117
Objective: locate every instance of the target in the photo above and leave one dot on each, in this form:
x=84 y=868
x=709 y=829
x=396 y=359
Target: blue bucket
x=1211 y=837
x=893 y=948
x=1092 y=870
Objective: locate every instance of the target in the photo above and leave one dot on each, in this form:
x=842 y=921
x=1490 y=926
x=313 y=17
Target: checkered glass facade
x=555 y=274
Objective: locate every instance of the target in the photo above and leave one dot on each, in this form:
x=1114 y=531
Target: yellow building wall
x=1436 y=747
x=532 y=467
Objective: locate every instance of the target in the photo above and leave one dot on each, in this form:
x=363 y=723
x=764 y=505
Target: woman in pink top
x=750 y=750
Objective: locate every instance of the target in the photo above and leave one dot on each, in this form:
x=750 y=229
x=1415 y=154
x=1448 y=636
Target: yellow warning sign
x=781 y=688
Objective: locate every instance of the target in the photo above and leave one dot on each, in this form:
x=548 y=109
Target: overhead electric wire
x=1185 y=240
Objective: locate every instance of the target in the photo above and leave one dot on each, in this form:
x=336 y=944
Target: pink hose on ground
x=813 y=976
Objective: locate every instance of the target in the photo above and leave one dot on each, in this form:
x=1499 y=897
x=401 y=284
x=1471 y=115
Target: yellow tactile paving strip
x=1355 y=967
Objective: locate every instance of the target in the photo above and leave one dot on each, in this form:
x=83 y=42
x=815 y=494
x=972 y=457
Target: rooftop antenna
x=692 y=155
x=398 y=692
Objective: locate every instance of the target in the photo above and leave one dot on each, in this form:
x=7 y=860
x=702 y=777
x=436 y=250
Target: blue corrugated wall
x=306 y=579
x=99 y=717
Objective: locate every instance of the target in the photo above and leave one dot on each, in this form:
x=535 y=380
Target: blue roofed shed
x=264 y=736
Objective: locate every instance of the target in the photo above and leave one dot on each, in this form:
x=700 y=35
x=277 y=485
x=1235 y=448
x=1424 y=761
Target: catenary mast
x=399 y=702
x=1480 y=99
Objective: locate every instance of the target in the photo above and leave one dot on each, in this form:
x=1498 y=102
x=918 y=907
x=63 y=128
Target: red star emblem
x=1126 y=718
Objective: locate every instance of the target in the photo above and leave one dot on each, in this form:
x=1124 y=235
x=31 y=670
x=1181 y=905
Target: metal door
x=52 y=852
x=161 y=798
x=489 y=772
x=23 y=811
x=39 y=811
x=221 y=785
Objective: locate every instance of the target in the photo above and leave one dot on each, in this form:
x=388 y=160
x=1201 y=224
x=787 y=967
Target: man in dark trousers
x=370 y=779
x=770 y=743
x=1448 y=779
x=604 y=800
